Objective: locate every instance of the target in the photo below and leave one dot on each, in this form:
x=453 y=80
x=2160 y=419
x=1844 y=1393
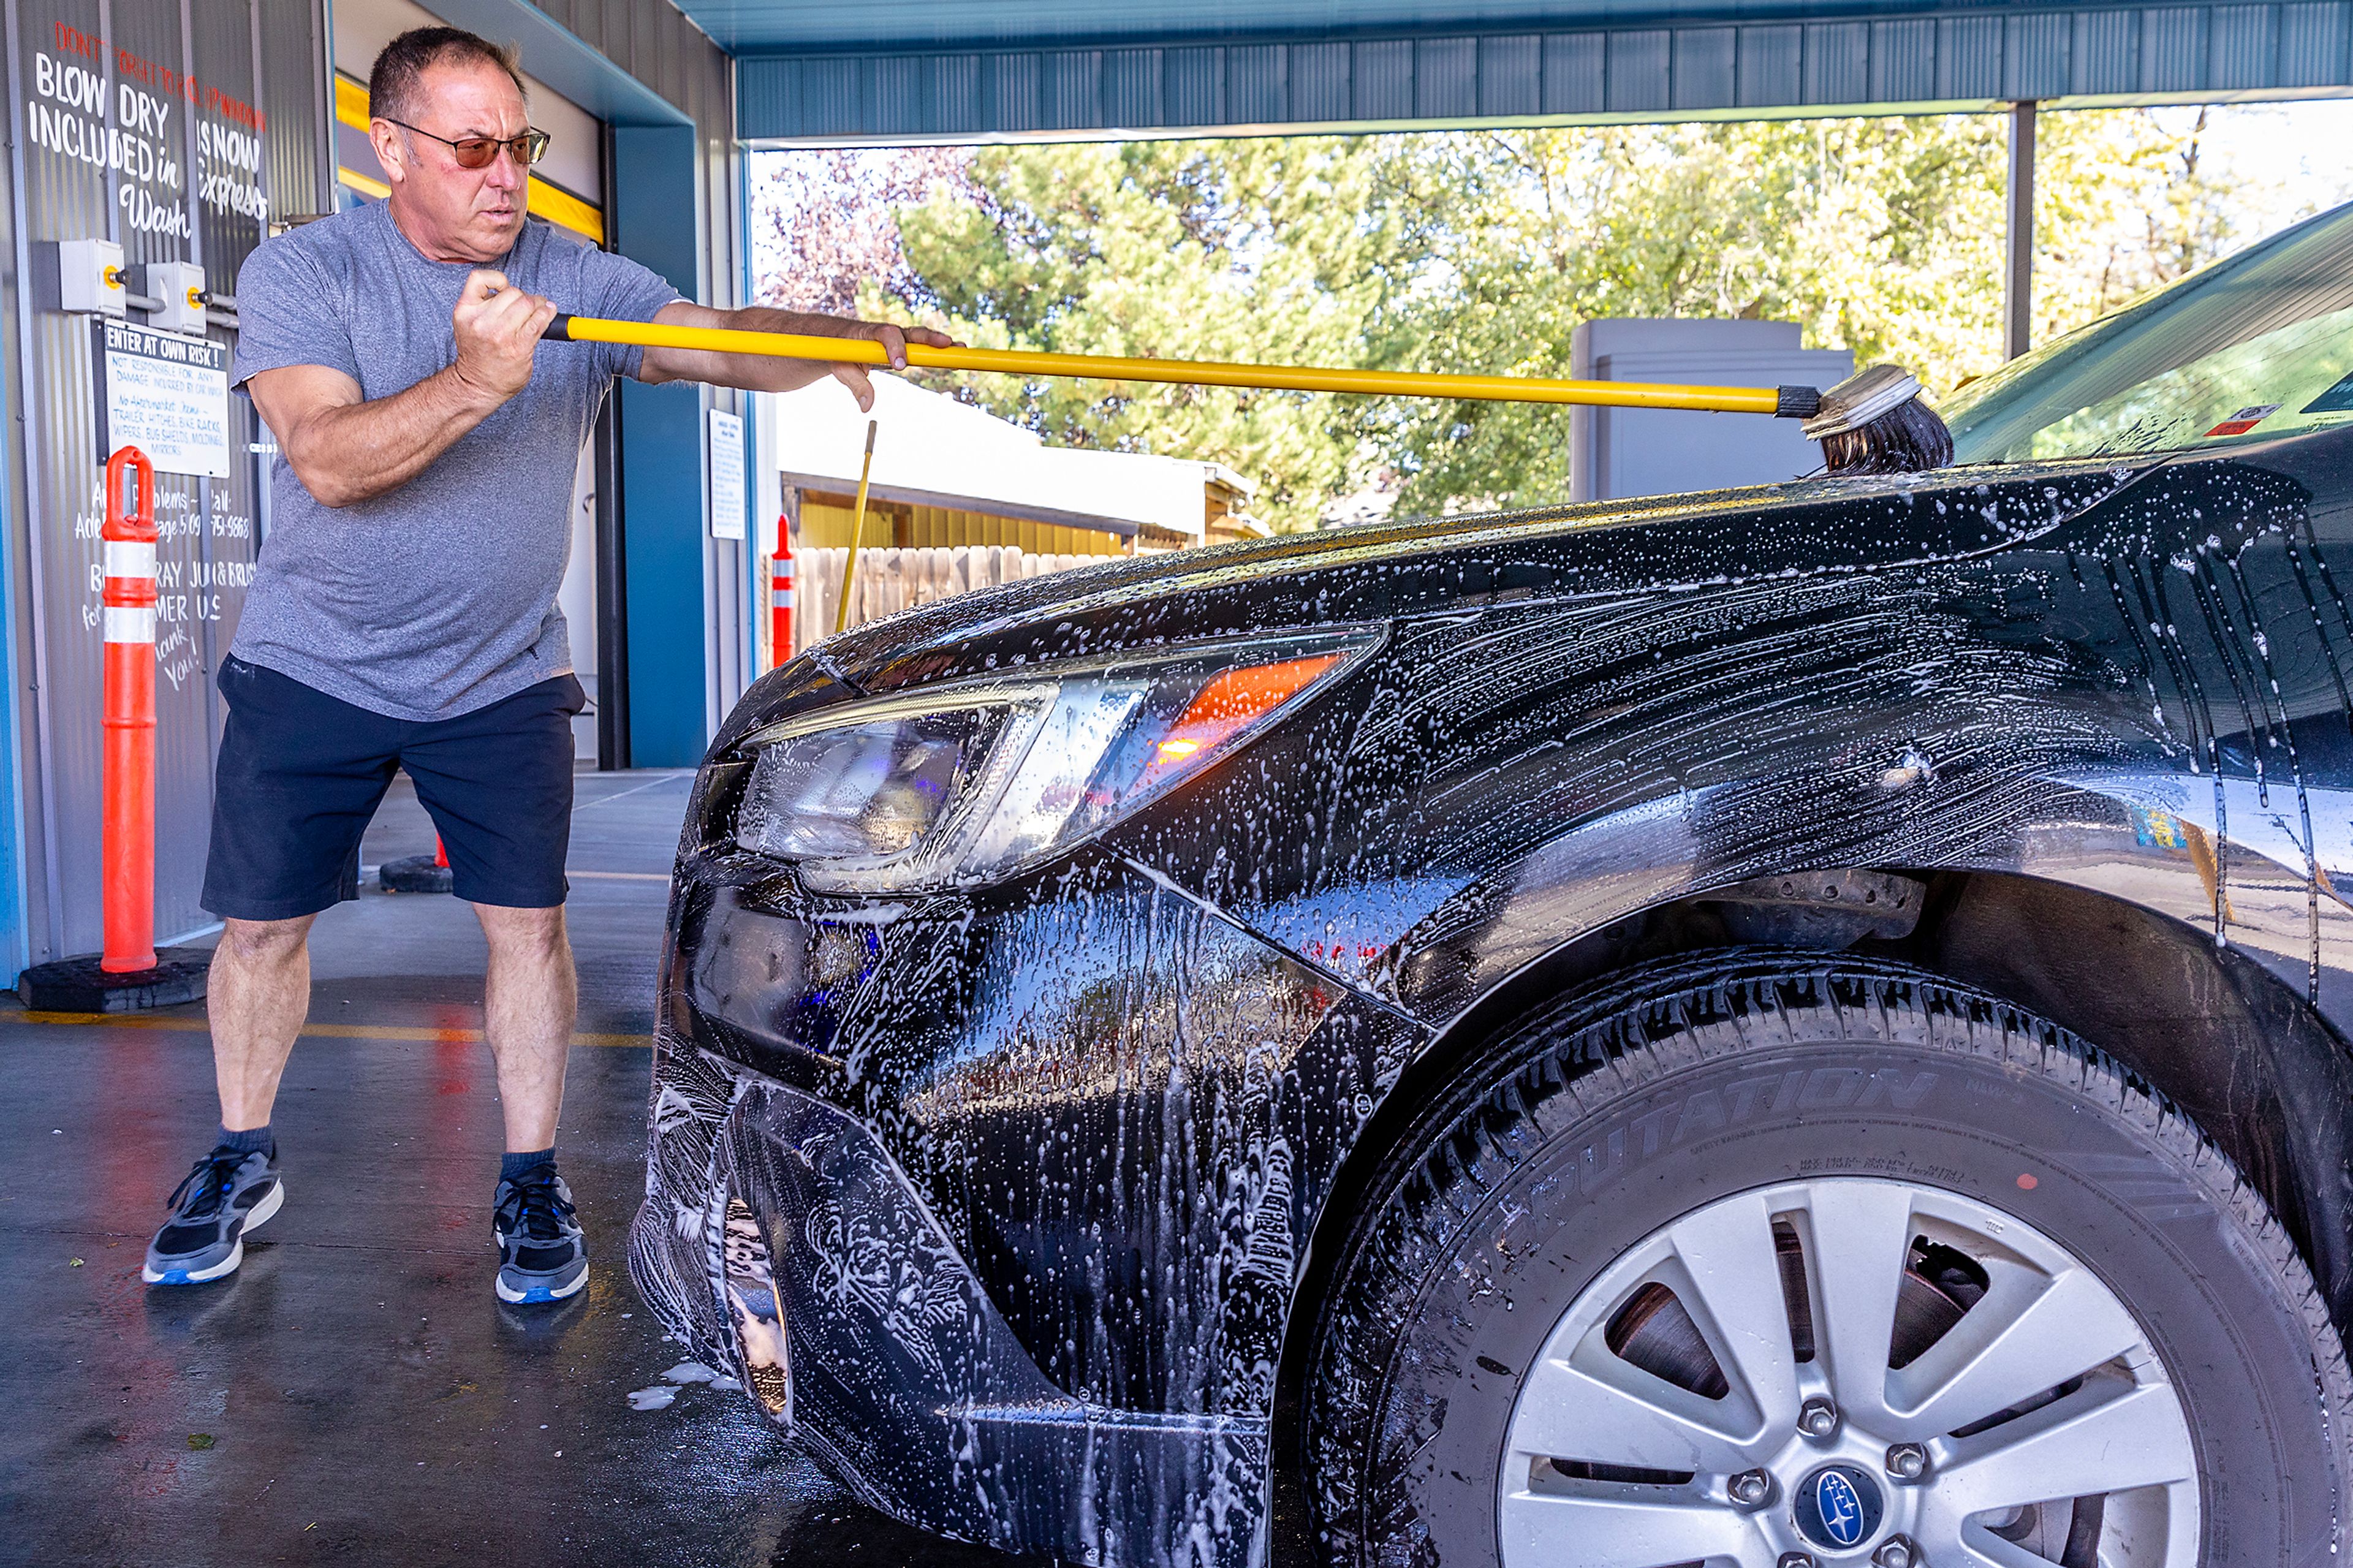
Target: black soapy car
x=1786 y=1026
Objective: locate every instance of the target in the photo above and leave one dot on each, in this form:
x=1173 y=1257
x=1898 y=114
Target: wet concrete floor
x=355 y=1393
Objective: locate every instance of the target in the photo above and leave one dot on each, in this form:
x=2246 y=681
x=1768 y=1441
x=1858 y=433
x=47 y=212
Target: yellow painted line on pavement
x=424 y=1033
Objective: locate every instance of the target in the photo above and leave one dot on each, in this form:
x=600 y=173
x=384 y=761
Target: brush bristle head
x=1908 y=439
x=1874 y=423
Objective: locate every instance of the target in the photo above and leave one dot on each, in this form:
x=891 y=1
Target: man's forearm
x=362 y=450
x=754 y=372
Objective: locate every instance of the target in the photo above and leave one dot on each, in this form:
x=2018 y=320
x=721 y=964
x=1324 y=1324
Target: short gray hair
x=392 y=82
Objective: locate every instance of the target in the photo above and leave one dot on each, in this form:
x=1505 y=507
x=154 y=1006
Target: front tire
x=1695 y=1268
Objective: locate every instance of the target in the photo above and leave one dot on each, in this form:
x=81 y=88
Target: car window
x=2255 y=346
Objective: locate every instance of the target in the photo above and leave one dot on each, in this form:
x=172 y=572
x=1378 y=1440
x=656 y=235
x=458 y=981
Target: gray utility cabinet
x=1616 y=452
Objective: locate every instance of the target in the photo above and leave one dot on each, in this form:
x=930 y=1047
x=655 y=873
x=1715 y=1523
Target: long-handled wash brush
x=1875 y=422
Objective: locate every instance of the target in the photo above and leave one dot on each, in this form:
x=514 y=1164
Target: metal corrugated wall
x=271 y=54
x=1959 y=60
x=23 y=893
x=242 y=55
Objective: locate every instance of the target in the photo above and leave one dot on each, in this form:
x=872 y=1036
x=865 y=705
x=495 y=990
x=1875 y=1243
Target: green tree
x=1483 y=251
x=1872 y=234
x=1273 y=249
x=827 y=222
x=1882 y=236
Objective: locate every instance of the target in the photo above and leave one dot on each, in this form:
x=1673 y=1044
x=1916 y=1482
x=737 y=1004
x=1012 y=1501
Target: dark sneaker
x=543 y=1255
x=228 y=1193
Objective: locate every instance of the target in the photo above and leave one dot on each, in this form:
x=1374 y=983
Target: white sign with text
x=166 y=394
x=727 y=502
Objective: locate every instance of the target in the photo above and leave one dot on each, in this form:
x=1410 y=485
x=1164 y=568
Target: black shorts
x=300 y=773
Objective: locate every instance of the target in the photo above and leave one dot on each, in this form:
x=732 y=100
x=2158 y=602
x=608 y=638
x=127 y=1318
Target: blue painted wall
x=661 y=438
x=16 y=949
x=661 y=548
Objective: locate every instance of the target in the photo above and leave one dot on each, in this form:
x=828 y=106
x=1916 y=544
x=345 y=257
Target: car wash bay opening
x=158 y=142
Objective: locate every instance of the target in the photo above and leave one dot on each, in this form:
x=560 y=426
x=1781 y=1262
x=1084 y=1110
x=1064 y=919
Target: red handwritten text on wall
x=163 y=78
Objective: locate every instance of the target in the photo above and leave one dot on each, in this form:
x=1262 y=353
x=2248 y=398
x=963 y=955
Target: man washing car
x=403 y=613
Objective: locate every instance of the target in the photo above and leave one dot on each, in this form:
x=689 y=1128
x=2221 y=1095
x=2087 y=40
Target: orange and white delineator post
x=780 y=598
x=127 y=537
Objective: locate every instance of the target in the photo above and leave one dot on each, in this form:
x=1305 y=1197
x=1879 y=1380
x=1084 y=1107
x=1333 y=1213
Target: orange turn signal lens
x=1225 y=704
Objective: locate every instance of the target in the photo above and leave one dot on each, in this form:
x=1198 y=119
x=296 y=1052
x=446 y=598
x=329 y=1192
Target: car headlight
x=960 y=783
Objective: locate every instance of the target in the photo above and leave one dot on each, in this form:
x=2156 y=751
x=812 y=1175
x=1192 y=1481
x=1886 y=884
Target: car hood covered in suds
x=1449 y=565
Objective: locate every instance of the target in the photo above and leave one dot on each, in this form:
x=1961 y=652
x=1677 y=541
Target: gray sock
x=513 y=1165
x=254 y=1141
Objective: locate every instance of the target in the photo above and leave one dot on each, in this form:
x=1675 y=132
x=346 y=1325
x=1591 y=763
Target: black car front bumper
x=903 y=1377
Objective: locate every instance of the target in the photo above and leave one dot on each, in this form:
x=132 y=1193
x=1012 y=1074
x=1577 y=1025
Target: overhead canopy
x=980 y=70
x=562 y=58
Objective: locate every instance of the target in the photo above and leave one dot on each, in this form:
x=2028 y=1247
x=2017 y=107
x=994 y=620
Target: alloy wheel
x=1845 y=1371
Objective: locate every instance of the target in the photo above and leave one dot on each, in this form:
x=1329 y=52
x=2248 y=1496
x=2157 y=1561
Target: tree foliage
x=829 y=223
x=1269 y=250
x=1480 y=250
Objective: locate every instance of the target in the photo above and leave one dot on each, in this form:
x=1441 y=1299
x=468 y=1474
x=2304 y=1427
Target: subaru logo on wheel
x=1840 y=1507
x=1837 y=1508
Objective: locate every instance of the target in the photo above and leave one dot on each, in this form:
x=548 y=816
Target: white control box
x=180 y=285
x=89 y=277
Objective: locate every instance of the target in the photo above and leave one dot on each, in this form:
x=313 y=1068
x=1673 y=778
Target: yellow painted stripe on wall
x=565 y=210
x=351 y=102
x=557 y=207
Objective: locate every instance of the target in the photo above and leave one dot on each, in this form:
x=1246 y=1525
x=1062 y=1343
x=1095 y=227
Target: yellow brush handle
x=1193 y=373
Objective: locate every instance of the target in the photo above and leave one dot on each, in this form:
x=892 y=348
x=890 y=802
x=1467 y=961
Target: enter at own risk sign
x=166 y=394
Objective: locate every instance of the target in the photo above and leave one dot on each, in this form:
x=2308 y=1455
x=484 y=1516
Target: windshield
x=2255 y=346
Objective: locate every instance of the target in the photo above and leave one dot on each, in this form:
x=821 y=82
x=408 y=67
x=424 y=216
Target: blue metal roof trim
x=565 y=61
x=790 y=26
x=1721 y=70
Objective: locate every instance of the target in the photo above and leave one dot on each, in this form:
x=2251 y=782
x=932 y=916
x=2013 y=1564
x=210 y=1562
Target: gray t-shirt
x=439 y=597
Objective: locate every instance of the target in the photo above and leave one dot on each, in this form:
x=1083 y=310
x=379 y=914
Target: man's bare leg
x=528 y=1006
x=530 y=997
x=258 y=995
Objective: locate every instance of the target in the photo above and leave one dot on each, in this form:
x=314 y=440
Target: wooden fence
x=892 y=580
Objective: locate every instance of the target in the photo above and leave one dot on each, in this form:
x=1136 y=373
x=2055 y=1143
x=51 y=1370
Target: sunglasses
x=476 y=152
